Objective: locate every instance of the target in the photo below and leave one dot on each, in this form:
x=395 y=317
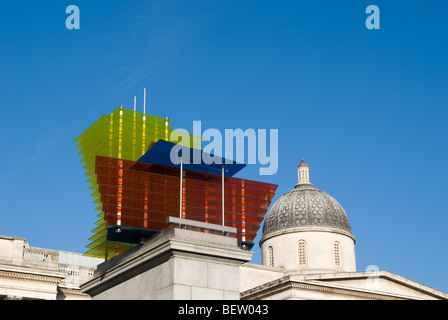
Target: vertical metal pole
x=144 y=101
x=180 y=191
x=223 y=195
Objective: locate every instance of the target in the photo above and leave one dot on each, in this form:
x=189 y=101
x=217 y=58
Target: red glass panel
x=142 y=195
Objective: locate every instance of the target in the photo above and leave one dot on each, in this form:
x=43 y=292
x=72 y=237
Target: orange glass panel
x=142 y=195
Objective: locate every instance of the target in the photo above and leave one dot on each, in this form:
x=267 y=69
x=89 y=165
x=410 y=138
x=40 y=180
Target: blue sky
x=367 y=109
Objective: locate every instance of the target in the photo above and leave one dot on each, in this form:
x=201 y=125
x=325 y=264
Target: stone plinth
x=178 y=264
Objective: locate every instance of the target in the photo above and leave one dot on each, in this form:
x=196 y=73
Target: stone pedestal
x=176 y=265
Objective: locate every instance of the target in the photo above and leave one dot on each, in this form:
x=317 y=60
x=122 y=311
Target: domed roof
x=304 y=207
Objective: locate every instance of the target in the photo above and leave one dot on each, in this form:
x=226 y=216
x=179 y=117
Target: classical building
x=308 y=252
x=307 y=247
x=30 y=273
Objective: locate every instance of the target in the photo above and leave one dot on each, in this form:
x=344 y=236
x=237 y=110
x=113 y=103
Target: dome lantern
x=303 y=172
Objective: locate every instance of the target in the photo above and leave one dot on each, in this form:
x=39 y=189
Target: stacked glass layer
x=135 y=197
x=123 y=134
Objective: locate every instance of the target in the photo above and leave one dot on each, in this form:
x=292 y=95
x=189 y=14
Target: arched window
x=271 y=256
x=337 y=254
x=302 y=252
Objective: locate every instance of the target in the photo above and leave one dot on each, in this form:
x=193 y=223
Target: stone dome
x=306 y=207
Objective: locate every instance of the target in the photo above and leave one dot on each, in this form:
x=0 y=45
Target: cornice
x=306 y=229
x=29 y=277
x=285 y=284
x=73 y=292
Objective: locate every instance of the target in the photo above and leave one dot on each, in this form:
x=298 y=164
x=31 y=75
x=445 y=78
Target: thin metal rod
x=135 y=103
x=181 y=194
x=144 y=101
x=223 y=195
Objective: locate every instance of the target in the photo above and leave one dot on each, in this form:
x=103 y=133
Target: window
x=271 y=256
x=302 y=253
x=337 y=254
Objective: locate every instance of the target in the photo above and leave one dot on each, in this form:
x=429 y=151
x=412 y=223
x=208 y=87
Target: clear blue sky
x=367 y=109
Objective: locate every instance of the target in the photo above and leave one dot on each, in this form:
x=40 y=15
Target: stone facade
x=266 y=283
x=30 y=273
x=186 y=265
x=307 y=247
x=310 y=250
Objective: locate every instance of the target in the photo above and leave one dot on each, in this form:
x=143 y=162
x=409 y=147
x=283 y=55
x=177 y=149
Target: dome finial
x=303 y=171
x=303 y=163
